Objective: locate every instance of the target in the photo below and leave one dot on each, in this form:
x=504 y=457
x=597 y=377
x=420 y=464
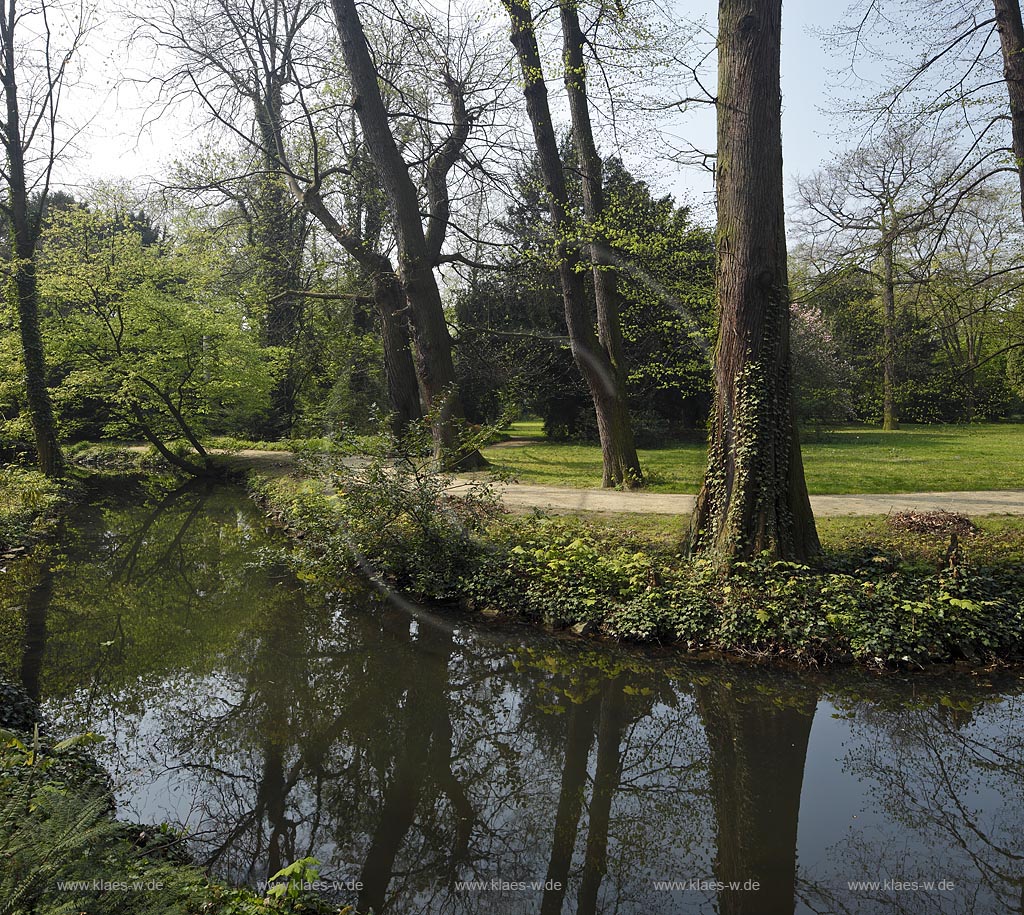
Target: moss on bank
x=881 y=598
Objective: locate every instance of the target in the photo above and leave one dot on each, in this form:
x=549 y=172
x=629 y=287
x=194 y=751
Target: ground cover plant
x=881 y=595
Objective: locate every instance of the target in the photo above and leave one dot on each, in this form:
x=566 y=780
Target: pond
x=435 y=763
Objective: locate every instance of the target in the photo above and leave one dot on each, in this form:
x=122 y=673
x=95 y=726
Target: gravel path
x=566 y=499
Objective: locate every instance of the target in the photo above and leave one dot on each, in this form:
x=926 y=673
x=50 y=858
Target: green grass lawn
x=855 y=459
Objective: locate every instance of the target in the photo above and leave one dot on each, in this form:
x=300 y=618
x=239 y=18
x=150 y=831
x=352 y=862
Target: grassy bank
x=855 y=459
x=29 y=505
x=879 y=597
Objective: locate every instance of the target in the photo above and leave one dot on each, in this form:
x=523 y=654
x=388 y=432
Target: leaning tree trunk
x=754 y=498
x=593 y=360
x=620 y=450
x=431 y=341
x=1011 y=38
x=889 y=418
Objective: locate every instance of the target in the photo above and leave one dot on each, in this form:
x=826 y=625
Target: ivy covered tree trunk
x=277 y=234
x=1011 y=39
x=754 y=498
x=432 y=345
x=24 y=228
x=621 y=467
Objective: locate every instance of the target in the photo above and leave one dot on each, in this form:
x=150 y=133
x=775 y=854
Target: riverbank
x=880 y=597
x=30 y=506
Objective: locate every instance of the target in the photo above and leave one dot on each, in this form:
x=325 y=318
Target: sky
x=124 y=142
x=810 y=79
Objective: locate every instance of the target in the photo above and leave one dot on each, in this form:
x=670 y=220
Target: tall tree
x=252 y=83
x=33 y=73
x=754 y=497
x=595 y=362
x=867 y=209
x=620 y=450
x=419 y=248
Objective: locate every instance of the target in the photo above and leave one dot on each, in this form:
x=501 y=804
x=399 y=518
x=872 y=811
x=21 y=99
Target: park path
x=564 y=499
x=524 y=497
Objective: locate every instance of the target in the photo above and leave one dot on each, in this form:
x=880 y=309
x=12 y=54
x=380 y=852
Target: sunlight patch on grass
x=847 y=460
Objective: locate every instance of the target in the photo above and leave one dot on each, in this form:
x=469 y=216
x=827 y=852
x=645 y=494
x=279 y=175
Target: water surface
x=437 y=765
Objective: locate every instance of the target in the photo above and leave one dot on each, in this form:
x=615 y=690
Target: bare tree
x=37 y=45
x=949 y=65
x=867 y=211
x=595 y=361
x=754 y=497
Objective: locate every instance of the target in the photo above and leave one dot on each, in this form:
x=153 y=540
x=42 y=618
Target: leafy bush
x=389 y=513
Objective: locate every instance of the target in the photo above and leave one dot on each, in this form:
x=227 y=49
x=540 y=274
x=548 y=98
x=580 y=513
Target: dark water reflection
x=275 y=719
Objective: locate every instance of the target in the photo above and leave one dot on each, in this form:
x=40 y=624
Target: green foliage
x=152 y=333
x=871 y=610
x=28 y=501
x=512 y=344
x=387 y=512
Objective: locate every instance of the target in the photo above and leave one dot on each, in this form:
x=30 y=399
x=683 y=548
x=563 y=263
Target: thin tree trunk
x=754 y=498
x=621 y=449
x=890 y=420
x=592 y=359
x=25 y=288
x=431 y=340
x=1011 y=38
x=607 y=773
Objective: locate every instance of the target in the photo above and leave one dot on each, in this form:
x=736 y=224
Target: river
x=438 y=763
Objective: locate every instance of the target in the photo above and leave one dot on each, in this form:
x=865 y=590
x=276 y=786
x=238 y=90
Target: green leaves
x=154 y=331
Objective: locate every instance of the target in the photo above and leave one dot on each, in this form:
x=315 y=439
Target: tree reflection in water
x=276 y=720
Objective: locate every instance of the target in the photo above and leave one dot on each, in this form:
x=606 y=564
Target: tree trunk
x=431 y=340
x=579 y=735
x=758 y=751
x=607 y=774
x=25 y=289
x=1011 y=38
x=40 y=408
x=754 y=498
x=621 y=450
x=403 y=387
x=890 y=420
x=279 y=244
x=591 y=357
